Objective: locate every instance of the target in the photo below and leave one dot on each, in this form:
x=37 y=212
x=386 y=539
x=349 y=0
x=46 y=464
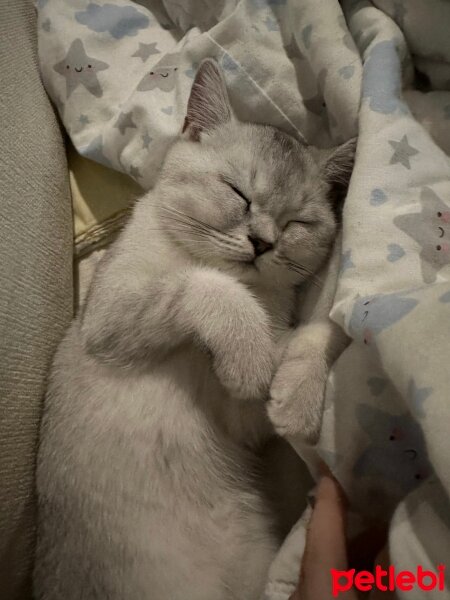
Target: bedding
x=101 y=201
x=120 y=73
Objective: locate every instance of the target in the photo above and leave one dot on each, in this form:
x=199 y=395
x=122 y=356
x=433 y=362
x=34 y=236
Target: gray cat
x=148 y=462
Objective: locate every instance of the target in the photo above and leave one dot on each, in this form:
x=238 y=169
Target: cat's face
x=247 y=198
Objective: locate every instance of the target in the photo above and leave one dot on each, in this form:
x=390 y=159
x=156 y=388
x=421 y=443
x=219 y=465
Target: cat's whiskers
x=194 y=221
x=197 y=230
x=300 y=269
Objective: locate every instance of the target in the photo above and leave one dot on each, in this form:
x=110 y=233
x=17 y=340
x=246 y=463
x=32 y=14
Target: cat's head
x=247 y=198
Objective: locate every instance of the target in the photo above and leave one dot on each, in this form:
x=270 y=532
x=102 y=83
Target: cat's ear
x=208 y=104
x=338 y=167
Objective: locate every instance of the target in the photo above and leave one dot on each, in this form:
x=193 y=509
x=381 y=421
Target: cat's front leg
x=298 y=388
x=229 y=321
x=130 y=320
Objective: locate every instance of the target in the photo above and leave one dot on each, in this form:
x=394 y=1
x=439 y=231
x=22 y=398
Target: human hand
x=327 y=549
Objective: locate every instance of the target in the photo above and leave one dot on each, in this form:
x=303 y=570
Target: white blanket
x=120 y=73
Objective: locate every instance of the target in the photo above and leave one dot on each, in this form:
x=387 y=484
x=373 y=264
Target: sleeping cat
x=148 y=462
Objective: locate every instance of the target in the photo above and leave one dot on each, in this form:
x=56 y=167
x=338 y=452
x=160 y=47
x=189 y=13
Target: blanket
x=120 y=72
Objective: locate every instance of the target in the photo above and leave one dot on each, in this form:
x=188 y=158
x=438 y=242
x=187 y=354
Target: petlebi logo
x=388 y=580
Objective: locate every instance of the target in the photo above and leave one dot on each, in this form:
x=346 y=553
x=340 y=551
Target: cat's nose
x=260 y=245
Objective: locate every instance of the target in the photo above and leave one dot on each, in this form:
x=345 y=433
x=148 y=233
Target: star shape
x=146 y=50
x=124 y=122
x=402 y=152
x=80 y=69
x=46 y=25
x=417 y=397
x=83 y=120
x=146 y=139
x=134 y=172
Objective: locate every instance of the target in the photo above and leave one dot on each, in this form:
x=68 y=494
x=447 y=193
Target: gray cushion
x=35 y=280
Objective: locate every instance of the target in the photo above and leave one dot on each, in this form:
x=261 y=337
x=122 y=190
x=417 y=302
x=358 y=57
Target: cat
x=147 y=473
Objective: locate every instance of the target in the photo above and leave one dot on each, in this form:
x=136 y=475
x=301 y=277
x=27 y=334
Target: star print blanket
x=120 y=72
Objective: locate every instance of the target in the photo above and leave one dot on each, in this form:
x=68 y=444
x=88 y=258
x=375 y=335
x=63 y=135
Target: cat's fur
x=156 y=405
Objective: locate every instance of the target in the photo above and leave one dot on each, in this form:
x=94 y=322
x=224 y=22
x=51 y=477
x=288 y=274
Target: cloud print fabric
x=120 y=74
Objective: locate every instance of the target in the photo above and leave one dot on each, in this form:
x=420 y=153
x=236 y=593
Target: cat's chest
x=196 y=397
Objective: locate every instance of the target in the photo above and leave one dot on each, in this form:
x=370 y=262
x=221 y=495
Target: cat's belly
x=144 y=494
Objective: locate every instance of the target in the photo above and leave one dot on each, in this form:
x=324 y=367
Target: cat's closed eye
x=300 y=222
x=238 y=192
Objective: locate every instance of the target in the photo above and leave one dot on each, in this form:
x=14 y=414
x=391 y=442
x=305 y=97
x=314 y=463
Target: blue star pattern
x=124 y=122
x=146 y=50
x=403 y=151
x=118 y=21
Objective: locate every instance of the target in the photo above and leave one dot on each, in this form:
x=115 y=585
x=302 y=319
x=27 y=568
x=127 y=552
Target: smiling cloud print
x=431 y=230
x=119 y=21
x=162 y=76
x=396 y=451
x=373 y=314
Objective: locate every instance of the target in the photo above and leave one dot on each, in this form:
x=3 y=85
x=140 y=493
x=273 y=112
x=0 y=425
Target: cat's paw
x=296 y=397
x=246 y=370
